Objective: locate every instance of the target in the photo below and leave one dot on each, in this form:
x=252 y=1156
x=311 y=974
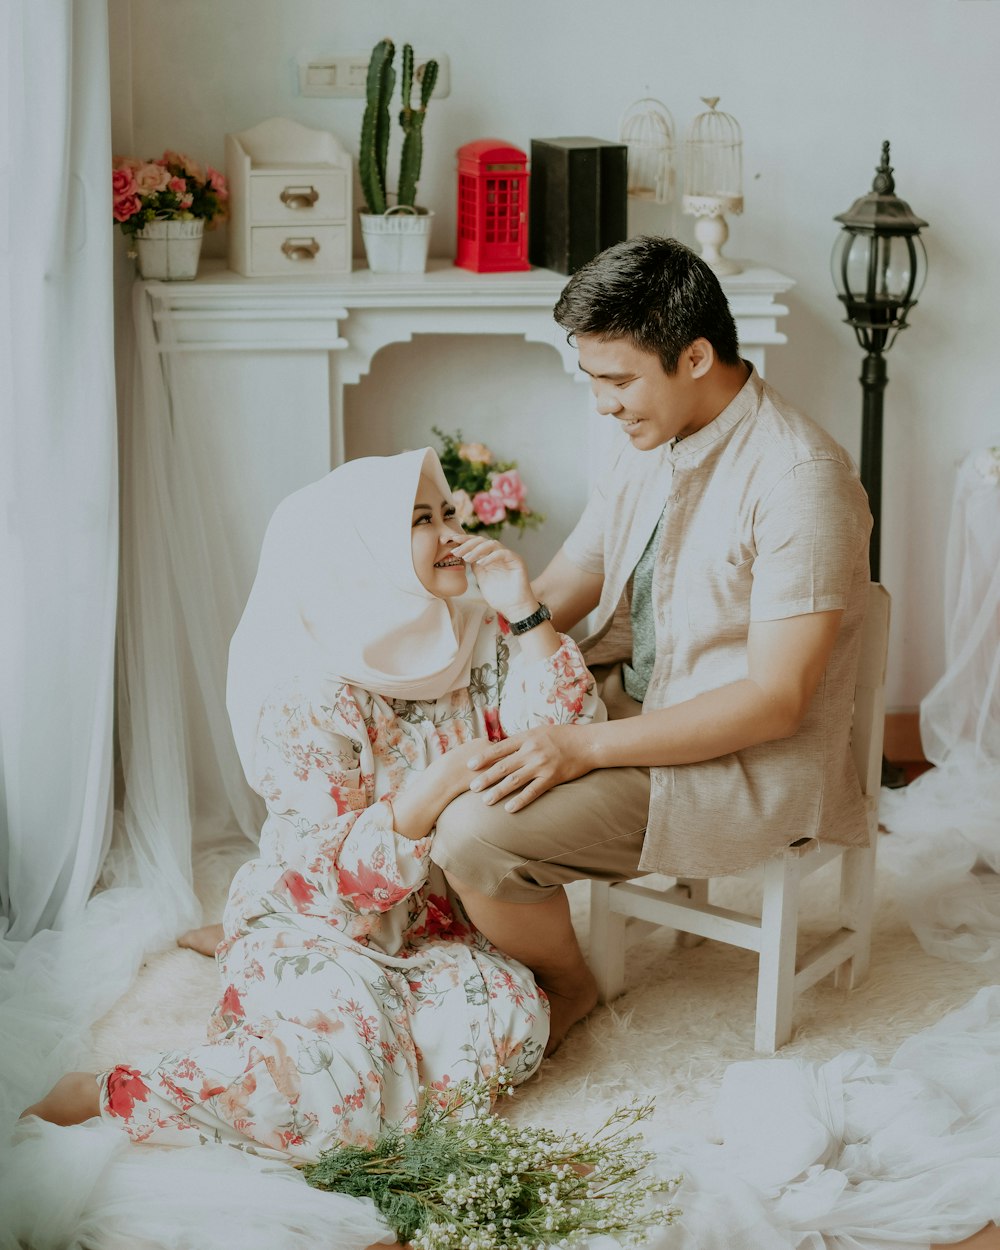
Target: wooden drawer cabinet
x=290 y=197
x=312 y=248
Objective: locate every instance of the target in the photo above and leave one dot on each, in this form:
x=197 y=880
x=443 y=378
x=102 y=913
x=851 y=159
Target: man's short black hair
x=654 y=292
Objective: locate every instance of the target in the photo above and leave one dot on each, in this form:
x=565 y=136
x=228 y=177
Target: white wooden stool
x=631 y=909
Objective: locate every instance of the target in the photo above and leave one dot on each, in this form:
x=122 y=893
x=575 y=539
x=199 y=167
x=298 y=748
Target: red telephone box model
x=492 y=207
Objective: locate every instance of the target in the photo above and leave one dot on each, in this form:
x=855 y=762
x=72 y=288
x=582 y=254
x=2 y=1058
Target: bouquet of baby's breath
x=464 y=1178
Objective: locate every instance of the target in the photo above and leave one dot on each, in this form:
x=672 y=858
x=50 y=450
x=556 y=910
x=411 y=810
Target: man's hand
x=530 y=763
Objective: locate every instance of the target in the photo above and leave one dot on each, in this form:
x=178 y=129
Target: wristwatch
x=529 y=622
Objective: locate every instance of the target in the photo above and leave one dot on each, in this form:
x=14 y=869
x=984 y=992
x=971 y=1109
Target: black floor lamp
x=879 y=266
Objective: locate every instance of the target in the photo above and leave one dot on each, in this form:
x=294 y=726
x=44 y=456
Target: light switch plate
x=344 y=76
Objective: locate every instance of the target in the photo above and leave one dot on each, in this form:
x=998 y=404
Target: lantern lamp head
x=878 y=262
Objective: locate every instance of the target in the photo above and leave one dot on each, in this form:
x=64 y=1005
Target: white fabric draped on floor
x=843 y=1155
x=945 y=848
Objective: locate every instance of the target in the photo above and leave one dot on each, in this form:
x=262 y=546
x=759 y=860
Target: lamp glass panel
x=876 y=269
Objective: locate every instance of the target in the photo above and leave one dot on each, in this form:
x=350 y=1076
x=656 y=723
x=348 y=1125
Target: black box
x=578 y=200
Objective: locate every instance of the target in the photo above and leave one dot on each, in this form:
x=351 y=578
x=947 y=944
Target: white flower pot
x=170 y=249
x=397 y=241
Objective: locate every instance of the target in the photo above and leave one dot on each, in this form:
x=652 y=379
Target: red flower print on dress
x=369 y=890
x=180 y=1096
x=209 y=1091
x=125 y=1088
x=297 y=888
x=439 y=921
x=348 y=799
x=494 y=730
x=231 y=1007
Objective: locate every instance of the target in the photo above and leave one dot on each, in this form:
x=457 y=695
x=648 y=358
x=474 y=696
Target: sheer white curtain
x=945 y=826
x=58 y=472
x=58 y=540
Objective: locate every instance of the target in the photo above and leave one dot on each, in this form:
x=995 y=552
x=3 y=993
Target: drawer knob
x=300 y=249
x=299 y=197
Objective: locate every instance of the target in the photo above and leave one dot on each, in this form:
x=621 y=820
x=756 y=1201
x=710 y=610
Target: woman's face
x=435 y=533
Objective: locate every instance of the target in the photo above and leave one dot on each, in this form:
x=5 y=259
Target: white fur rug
x=687 y=1014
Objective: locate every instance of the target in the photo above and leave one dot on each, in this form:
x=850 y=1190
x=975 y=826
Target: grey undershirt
x=637 y=675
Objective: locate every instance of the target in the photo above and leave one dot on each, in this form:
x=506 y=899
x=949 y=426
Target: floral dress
x=351 y=975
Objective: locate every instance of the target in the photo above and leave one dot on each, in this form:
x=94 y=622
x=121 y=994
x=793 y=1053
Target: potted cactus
x=396 y=236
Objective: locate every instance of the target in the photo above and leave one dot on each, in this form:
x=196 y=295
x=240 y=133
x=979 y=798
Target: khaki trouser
x=592 y=827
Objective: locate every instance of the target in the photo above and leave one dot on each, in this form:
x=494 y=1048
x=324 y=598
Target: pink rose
x=122 y=183
x=125 y=206
x=217 y=182
x=509 y=487
x=151 y=178
x=177 y=185
x=489 y=507
x=464 y=511
x=186 y=202
x=190 y=167
x=475 y=453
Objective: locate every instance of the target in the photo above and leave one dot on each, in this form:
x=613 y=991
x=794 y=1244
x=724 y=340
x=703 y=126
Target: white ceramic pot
x=397 y=241
x=170 y=249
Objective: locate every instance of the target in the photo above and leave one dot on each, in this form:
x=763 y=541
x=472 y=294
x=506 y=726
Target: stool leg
x=857 y=891
x=697 y=888
x=607 y=943
x=778 y=937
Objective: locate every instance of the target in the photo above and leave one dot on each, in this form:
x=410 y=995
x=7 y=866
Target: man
x=726 y=554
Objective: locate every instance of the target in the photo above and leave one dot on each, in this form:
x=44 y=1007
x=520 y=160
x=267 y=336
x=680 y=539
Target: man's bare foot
x=73 y=1099
x=203 y=940
x=987 y=1238
x=567 y=1007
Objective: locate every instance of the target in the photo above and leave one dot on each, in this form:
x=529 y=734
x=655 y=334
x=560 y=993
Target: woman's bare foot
x=73 y=1099
x=203 y=940
x=987 y=1238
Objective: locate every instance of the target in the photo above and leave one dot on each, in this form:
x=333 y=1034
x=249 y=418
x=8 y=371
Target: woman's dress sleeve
x=327 y=828
x=559 y=690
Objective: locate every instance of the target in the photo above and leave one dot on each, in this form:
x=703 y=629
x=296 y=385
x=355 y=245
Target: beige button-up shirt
x=765 y=519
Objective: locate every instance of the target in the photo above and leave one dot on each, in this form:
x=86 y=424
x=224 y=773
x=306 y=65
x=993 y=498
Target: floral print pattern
x=351 y=975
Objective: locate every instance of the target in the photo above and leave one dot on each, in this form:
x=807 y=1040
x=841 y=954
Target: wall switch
x=345 y=76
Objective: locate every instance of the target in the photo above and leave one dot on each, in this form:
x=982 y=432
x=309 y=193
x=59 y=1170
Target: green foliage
x=464 y=1177
x=374 y=149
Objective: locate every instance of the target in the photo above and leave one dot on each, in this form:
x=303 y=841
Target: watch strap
x=529 y=622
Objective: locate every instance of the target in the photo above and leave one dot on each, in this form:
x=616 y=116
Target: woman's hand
x=502 y=576
x=416 y=808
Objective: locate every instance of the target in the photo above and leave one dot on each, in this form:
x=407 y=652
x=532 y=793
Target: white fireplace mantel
x=332 y=327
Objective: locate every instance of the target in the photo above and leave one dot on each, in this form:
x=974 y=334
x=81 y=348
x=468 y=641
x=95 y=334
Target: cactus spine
x=374 y=150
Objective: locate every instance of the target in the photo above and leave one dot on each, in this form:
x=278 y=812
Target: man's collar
x=744 y=402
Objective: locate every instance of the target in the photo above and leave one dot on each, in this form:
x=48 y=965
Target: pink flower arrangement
x=172 y=188
x=488 y=493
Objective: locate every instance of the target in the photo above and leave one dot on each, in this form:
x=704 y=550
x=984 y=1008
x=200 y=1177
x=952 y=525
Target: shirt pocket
x=716 y=594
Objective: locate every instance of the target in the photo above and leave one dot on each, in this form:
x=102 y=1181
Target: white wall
x=816 y=84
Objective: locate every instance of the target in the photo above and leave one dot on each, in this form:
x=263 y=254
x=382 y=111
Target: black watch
x=529 y=622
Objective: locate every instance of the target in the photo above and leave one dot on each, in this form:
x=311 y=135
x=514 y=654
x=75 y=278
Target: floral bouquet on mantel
x=489 y=493
x=172 y=188
x=466 y=1178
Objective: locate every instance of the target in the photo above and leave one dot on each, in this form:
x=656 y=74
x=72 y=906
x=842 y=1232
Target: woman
x=361 y=681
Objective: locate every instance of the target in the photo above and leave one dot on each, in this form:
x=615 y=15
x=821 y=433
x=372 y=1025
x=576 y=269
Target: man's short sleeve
x=810 y=531
x=585 y=545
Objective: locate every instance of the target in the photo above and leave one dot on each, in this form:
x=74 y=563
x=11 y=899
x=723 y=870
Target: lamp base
x=712 y=232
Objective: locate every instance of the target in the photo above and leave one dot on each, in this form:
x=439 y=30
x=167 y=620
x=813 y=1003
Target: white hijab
x=336 y=596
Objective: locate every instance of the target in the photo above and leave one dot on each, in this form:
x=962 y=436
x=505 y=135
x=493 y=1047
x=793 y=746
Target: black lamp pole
x=879 y=266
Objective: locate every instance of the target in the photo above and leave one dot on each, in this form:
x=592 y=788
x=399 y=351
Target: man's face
x=631 y=386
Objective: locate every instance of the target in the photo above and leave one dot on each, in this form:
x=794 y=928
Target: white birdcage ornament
x=647 y=129
x=713 y=181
